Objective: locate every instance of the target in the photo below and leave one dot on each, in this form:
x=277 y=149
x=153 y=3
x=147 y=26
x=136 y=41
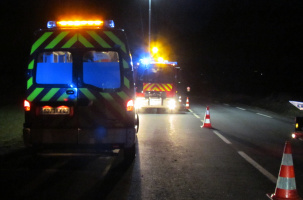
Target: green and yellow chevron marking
x=50 y=94
x=125 y=64
x=31 y=64
x=112 y=101
x=70 y=42
x=123 y=95
x=126 y=82
x=55 y=41
x=85 y=42
x=87 y=93
x=40 y=41
x=98 y=39
x=116 y=40
x=30 y=82
x=63 y=97
x=34 y=94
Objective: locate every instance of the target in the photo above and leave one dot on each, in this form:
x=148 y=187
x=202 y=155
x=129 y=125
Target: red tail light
x=27 y=105
x=130 y=105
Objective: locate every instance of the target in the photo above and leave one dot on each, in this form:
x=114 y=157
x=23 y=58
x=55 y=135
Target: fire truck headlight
x=172 y=104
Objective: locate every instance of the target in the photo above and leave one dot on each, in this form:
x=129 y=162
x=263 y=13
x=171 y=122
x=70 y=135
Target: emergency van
x=80 y=89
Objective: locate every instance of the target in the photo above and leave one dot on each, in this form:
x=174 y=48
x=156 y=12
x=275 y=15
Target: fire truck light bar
x=77 y=23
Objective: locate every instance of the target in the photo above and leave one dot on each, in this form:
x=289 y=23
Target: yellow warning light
x=297 y=125
x=79 y=23
x=160 y=59
x=155 y=50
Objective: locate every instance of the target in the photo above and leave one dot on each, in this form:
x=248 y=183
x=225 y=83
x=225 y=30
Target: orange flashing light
x=79 y=23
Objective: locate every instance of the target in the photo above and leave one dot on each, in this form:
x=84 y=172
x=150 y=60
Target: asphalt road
x=239 y=158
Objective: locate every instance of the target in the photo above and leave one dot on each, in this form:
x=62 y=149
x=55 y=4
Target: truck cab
x=80 y=89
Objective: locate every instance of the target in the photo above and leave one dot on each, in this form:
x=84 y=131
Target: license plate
x=61 y=110
x=155 y=102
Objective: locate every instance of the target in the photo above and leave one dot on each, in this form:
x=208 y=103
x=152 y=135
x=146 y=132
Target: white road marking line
x=190 y=110
x=263 y=115
x=226 y=104
x=241 y=108
x=222 y=137
x=271 y=177
x=197 y=116
x=202 y=120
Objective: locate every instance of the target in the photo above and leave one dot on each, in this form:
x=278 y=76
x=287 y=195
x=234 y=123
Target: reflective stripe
x=85 y=42
x=126 y=82
x=123 y=95
x=50 y=94
x=30 y=82
x=34 y=94
x=63 y=97
x=168 y=87
x=55 y=41
x=125 y=64
x=148 y=86
x=31 y=64
x=113 y=102
x=287 y=159
x=70 y=42
x=116 y=40
x=87 y=93
x=157 y=87
x=286 y=183
x=40 y=41
x=98 y=39
x=160 y=87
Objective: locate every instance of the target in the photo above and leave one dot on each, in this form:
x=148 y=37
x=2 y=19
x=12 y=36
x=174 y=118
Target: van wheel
x=130 y=153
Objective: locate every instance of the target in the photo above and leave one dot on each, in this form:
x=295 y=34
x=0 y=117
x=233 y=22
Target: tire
x=130 y=153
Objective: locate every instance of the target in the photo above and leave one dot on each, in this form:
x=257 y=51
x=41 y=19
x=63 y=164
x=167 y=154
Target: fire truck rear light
x=27 y=105
x=130 y=105
x=293 y=135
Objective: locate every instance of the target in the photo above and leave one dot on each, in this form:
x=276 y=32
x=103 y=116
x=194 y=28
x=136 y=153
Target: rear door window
x=102 y=69
x=54 y=67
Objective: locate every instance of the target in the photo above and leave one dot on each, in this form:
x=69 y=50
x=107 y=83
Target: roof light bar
x=78 y=23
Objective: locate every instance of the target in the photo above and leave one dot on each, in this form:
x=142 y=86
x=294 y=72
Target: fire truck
x=157 y=86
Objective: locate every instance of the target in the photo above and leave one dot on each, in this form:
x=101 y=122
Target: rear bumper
x=121 y=137
x=167 y=103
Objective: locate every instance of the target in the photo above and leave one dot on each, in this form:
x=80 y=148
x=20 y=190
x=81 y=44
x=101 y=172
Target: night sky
x=223 y=46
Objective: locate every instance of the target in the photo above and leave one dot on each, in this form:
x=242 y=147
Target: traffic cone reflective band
x=187 y=103
x=206 y=123
x=286 y=183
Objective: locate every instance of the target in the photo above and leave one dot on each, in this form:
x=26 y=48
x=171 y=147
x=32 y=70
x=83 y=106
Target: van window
x=101 y=69
x=54 y=68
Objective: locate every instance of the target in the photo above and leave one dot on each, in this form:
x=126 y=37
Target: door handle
x=70 y=92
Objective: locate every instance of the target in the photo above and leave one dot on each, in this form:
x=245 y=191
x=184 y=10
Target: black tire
x=130 y=153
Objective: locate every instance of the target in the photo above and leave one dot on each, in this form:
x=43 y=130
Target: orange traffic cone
x=286 y=183
x=187 y=103
x=207 y=123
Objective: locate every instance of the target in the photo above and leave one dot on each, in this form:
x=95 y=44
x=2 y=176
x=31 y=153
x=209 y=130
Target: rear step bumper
x=86 y=137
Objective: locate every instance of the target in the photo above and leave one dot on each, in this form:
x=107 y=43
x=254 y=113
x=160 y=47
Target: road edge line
x=266 y=173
